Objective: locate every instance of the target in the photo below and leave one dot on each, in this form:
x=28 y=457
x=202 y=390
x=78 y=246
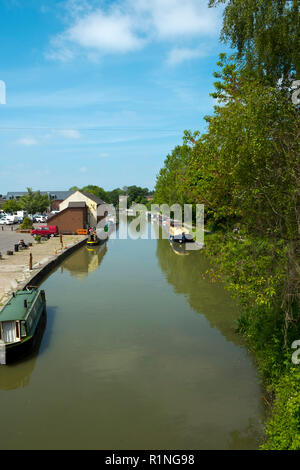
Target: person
x=22 y=244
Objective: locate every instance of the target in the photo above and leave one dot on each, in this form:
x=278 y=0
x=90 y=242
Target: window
x=23 y=329
x=18 y=329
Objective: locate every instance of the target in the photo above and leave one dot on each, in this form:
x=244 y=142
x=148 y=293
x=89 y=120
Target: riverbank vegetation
x=245 y=168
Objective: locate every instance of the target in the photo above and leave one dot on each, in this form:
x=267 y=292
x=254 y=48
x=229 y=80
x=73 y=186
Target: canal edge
x=53 y=261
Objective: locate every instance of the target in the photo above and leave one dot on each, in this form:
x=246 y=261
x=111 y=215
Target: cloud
x=83 y=169
x=128 y=25
x=27 y=141
x=112 y=32
x=69 y=133
x=180 y=54
x=178 y=18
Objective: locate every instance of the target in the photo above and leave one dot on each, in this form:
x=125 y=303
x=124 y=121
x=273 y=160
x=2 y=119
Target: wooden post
x=30 y=261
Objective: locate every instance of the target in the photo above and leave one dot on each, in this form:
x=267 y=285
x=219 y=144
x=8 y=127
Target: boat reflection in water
x=179 y=249
x=17 y=374
x=85 y=261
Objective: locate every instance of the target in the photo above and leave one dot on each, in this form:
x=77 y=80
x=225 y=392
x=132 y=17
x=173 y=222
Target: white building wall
x=91 y=206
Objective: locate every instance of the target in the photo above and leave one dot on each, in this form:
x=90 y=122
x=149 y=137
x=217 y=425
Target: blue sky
x=99 y=92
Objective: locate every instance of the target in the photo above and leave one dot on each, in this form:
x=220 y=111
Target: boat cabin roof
x=15 y=308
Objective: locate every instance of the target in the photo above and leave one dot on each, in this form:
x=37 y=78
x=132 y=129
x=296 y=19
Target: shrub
x=26 y=224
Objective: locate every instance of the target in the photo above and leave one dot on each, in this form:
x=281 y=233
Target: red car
x=48 y=231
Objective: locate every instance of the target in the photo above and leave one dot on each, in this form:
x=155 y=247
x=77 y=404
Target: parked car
x=13 y=218
x=6 y=221
x=47 y=231
x=40 y=219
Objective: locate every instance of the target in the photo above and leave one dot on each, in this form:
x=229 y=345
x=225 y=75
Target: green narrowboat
x=21 y=319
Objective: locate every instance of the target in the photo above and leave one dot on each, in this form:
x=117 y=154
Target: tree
x=96 y=190
x=170 y=183
x=137 y=194
x=34 y=202
x=266 y=34
x=12 y=205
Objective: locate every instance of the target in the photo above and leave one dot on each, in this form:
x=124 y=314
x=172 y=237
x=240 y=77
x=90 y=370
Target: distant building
x=77 y=211
x=53 y=195
x=92 y=202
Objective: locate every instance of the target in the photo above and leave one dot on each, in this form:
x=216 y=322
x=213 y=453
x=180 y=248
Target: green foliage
x=12 y=205
x=137 y=195
x=96 y=190
x=266 y=34
x=34 y=202
x=283 y=429
x=254 y=269
x=26 y=224
x=170 y=183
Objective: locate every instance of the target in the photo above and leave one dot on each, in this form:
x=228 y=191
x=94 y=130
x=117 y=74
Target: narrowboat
x=21 y=320
x=93 y=240
x=179 y=234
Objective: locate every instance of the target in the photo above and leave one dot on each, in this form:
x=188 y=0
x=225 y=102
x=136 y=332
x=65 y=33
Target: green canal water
x=139 y=352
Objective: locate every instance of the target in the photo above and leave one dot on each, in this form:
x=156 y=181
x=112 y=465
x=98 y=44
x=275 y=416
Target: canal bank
x=139 y=351
x=15 y=272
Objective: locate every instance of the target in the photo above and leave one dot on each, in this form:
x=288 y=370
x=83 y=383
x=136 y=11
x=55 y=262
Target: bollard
x=30 y=262
x=16 y=248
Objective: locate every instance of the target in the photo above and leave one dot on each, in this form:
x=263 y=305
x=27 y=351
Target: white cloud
x=129 y=25
x=83 y=169
x=69 y=133
x=177 y=18
x=27 y=141
x=112 y=32
x=179 y=54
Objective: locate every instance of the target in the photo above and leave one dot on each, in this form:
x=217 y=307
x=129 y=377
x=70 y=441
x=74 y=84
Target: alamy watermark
x=296 y=92
x=296 y=354
x=2 y=92
x=179 y=225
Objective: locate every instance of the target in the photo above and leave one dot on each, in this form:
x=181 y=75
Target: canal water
x=139 y=352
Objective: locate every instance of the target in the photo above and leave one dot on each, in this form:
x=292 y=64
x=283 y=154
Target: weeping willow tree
x=266 y=33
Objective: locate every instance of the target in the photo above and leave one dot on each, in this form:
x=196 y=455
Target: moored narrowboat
x=20 y=321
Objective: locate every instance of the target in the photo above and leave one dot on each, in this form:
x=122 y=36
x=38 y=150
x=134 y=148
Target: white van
x=12 y=219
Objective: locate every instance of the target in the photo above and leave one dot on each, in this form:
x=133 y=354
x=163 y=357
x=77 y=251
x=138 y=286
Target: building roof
x=59 y=195
x=93 y=198
x=15 y=309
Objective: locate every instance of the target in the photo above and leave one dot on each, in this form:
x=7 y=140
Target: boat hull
x=16 y=351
